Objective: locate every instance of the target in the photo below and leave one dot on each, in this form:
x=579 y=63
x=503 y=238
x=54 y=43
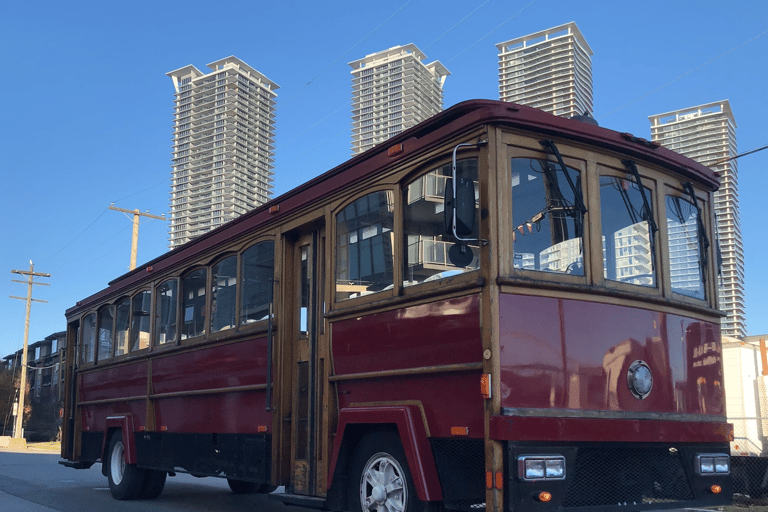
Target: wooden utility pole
x=23 y=382
x=135 y=239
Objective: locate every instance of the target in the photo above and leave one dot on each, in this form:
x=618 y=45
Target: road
x=35 y=482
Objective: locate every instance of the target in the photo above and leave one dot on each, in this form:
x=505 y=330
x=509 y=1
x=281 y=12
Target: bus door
x=308 y=338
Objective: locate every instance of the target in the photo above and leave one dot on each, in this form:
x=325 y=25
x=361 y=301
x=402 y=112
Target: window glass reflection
x=627 y=242
x=548 y=224
x=685 y=259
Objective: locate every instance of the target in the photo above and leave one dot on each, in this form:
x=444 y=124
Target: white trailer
x=746 y=400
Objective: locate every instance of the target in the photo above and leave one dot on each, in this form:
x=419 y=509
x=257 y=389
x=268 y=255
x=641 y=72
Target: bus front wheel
x=380 y=478
x=125 y=480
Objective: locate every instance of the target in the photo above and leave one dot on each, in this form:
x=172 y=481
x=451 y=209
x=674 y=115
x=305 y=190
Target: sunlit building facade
x=550 y=70
x=707 y=134
x=223 y=146
x=392 y=91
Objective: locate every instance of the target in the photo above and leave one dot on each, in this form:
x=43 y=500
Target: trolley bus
x=498 y=309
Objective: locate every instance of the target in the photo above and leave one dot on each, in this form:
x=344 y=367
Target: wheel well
x=105 y=448
x=336 y=499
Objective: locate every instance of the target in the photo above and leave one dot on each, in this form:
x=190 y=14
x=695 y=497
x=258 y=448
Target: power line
x=457 y=24
x=343 y=54
x=492 y=31
x=684 y=75
x=729 y=158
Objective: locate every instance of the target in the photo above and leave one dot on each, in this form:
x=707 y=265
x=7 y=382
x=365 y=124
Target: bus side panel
x=126 y=399
x=445 y=332
x=568 y=354
x=205 y=387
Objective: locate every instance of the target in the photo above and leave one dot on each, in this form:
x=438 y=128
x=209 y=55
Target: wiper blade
x=702 y=234
x=632 y=169
x=552 y=148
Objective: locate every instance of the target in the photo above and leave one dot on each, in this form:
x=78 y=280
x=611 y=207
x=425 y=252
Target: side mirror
x=461 y=208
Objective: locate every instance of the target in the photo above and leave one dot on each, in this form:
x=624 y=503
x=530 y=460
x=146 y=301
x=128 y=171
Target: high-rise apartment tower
x=550 y=70
x=223 y=136
x=707 y=134
x=392 y=91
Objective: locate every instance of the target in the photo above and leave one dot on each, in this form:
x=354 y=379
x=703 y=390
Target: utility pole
x=23 y=382
x=135 y=240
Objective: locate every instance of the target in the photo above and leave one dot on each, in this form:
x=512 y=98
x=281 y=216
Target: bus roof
x=460 y=118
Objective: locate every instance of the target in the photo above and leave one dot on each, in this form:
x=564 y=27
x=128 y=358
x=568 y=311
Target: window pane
x=684 y=250
x=627 y=244
x=548 y=224
x=224 y=294
x=193 y=304
x=258 y=264
x=88 y=343
x=140 y=314
x=165 y=313
x=122 y=325
x=105 y=333
x=426 y=241
x=364 y=258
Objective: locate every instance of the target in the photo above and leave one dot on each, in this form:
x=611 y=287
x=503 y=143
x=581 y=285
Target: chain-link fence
x=749 y=462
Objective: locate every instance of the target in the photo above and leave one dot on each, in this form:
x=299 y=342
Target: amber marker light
x=544 y=496
x=395 y=150
x=274 y=208
x=485 y=385
x=460 y=431
x=715 y=489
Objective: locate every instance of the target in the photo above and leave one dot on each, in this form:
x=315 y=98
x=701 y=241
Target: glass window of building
x=547 y=219
x=628 y=245
x=426 y=240
x=141 y=308
x=224 y=294
x=364 y=240
x=165 y=312
x=685 y=247
x=258 y=263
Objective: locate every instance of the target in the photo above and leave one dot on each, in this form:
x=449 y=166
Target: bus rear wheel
x=154 y=481
x=380 y=480
x=125 y=480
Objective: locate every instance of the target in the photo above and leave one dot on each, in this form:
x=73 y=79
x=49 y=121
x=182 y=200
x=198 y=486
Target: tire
x=243 y=487
x=154 y=481
x=125 y=480
x=380 y=480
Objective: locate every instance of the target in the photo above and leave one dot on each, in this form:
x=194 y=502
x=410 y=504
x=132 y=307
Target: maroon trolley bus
x=497 y=309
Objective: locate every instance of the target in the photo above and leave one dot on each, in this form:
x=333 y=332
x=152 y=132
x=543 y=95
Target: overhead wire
x=683 y=75
x=492 y=31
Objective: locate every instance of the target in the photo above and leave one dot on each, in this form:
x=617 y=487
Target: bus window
x=685 y=258
x=88 y=342
x=223 y=294
x=426 y=242
x=258 y=263
x=165 y=312
x=364 y=257
x=122 y=325
x=627 y=242
x=548 y=224
x=193 y=303
x=106 y=320
x=140 y=313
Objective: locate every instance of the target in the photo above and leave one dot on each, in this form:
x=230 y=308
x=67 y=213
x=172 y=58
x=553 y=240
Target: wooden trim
x=444 y=289
x=606 y=295
x=174 y=394
x=460 y=367
x=416 y=403
x=213 y=391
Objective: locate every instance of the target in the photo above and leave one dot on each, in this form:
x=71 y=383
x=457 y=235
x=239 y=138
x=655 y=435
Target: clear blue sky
x=86 y=108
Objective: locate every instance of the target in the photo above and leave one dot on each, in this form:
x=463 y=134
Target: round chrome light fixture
x=640 y=379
